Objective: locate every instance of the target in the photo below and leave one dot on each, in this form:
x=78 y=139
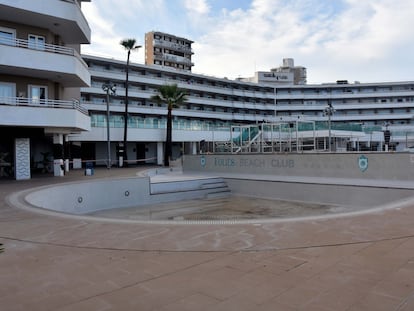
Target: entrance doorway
x=141 y=153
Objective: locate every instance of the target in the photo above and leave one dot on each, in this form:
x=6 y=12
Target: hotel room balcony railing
x=43 y=103
x=45 y=47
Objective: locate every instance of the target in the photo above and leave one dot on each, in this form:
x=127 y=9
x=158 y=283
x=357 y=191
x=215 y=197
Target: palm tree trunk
x=168 y=141
x=126 y=113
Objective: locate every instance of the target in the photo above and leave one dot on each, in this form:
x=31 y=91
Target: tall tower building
x=168 y=50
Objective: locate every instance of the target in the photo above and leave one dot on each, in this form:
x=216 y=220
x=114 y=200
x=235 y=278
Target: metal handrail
x=43 y=103
x=45 y=47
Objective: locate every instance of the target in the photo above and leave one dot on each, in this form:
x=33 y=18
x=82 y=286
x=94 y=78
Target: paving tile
x=95 y=304
x=407 y=304
x=193 y=302
x=376 y=302
x=400 y=285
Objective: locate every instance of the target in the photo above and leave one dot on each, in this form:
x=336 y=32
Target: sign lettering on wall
x=251 y=162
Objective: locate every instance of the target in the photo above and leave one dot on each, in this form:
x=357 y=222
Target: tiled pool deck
x=363 y=262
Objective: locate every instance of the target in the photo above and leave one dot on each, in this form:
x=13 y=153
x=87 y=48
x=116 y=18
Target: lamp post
x=109 y=89
x=387 y=137
x=329 y=111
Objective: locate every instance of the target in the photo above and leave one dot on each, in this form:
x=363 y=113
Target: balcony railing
x=39 y=46
x=174 y=58
x=174 y=46
x=43 y=103
x=151 y=123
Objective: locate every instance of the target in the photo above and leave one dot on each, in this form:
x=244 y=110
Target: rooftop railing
x=43 y=103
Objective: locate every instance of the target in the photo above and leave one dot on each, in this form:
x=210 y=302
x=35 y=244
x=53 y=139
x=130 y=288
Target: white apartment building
x=214 y=105
x=41 y=72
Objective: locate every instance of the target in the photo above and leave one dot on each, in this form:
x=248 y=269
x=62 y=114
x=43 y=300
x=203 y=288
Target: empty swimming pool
x=190 y=198
x=229 y=208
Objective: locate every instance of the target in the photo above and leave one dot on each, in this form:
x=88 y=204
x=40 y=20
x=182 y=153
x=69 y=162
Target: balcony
x=51 y=114
x=173 y=46
x=52 y=62
x=64 y=18
x=174 y=59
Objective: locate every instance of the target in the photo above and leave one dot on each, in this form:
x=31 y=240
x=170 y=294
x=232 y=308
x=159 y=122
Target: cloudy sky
x=355 y=40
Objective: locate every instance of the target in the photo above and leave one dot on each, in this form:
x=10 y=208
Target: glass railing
x=99 y=120
x=319 y=126
x=153 y=123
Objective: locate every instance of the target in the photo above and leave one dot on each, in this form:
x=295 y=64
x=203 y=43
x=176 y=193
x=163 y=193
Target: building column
x=67 y=153
x=58 y=167
x=194 y=147
x=160 y=153
x=22 y=158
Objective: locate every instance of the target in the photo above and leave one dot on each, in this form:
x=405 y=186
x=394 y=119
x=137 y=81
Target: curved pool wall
x=360 y=197
x=316 y=178
x=94 y=195
x=355 y=179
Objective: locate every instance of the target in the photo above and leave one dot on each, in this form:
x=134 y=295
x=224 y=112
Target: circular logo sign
x=203 y=161
x=363 y=163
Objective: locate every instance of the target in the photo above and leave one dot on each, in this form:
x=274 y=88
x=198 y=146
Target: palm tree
x=129 y=45
x=173 y=97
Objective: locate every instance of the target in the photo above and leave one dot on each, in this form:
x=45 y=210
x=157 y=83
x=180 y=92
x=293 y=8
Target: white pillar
x=194 y=147
x=22 y=158
x=160 y=153
x=58 y=166
x=66 y=153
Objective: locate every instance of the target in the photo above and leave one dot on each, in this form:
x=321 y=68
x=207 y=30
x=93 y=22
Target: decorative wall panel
x=22 y=158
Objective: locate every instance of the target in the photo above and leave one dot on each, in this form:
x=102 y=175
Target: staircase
x=201 y=188
x=216 y=189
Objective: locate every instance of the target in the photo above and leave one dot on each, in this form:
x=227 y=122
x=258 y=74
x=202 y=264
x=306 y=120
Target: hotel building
x=41 y=72
x=362 y=111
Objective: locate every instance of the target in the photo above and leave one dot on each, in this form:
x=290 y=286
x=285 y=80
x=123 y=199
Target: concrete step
x=216 y=189
x=219 y=193
x=213 y=185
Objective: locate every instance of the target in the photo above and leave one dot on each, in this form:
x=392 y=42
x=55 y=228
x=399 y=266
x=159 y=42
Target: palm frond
x=128 y=44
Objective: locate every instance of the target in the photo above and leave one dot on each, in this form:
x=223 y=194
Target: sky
x=354 y=40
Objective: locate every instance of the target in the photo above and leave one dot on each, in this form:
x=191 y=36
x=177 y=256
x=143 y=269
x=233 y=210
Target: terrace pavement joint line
x=243 y=250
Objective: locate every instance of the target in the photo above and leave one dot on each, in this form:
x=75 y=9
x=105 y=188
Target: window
x=36 y=42
x=7 y=36
x=38 y=94
x=7 y=92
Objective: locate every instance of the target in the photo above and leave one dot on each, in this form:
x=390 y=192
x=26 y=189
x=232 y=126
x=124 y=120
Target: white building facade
x=214 y=105
x=41 y=72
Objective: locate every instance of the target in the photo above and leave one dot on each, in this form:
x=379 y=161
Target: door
x=38 y=94
x=141 y=152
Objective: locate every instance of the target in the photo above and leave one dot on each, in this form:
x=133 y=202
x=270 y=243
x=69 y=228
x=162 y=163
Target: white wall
x=380 y=166
x=44 y=117
x=73 y=71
